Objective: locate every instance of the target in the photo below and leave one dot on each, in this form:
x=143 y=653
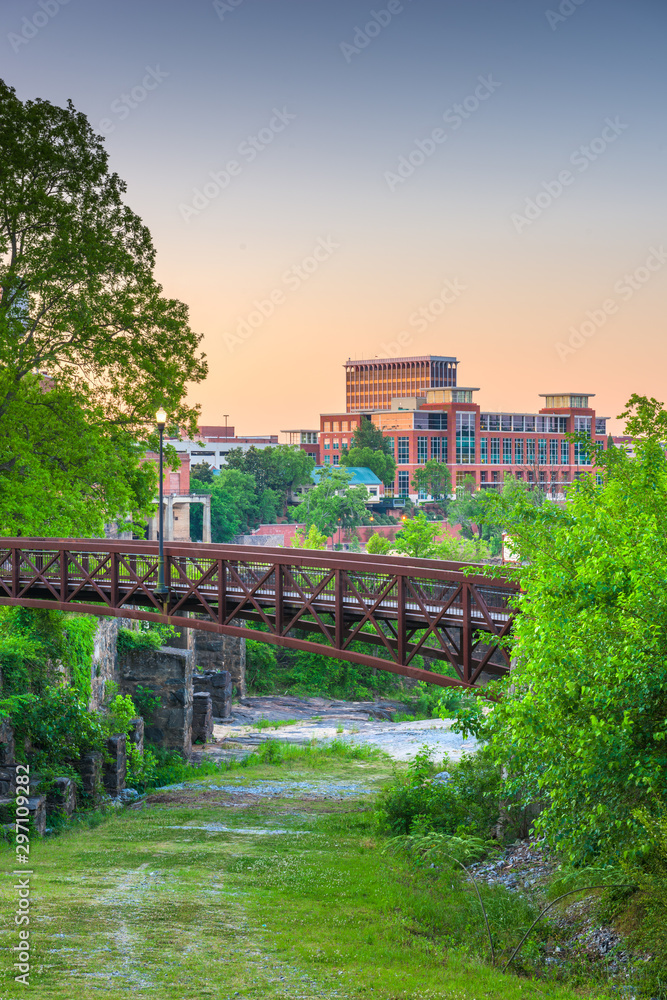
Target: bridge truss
x=382 y=611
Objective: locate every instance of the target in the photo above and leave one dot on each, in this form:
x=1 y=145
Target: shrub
x=468 y=804
x=149 y=636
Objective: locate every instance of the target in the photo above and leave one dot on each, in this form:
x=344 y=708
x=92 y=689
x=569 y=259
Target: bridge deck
x=404 y=608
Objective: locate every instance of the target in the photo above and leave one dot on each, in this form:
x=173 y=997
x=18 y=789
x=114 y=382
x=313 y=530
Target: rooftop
x=421 y=357
x=361 y=476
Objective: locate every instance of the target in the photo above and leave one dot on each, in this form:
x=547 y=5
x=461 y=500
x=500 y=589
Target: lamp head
x=161 y=418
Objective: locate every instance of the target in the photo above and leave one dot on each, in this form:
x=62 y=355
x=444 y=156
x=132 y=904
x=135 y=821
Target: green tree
x=83 y=324
x=203 y=473
x=434 y=479
x=234 y=505
x=312 y=539
x=280 y=468
x=379 y=462
x=378 y=545
x=333 y=503
x=582 y=724
x=417 y=537
x=367 y=435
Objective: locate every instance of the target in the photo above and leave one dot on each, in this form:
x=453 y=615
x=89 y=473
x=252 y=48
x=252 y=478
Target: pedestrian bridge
x=385 y=612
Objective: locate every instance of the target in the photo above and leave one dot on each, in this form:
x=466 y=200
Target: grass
x=273 y=723
x=149 y=904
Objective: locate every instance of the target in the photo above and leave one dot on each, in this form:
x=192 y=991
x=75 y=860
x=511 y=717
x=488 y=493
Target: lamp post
x=161 y=590
x=339 y=530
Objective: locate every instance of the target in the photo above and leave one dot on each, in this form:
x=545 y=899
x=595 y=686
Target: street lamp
x=339 y=530
x=161 y=590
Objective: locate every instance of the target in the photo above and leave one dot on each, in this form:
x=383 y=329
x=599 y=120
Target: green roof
x=361 y=476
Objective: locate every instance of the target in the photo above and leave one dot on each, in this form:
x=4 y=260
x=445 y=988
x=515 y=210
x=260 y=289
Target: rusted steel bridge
x=381 y=611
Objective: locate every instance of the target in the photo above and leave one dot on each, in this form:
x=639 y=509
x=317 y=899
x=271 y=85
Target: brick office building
x=444 y=422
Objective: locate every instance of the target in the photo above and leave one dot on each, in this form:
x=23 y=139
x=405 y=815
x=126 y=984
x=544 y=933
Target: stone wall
x=168 y=672
x=105 y=665
x=222 y=652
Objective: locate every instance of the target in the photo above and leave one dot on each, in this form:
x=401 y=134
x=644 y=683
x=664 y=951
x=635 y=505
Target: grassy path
x=272 y=886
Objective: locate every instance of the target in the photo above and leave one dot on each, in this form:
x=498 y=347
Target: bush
x=468 y=804
x=58 y=728
x=149 y=636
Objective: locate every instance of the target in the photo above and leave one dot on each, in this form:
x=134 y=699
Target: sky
x=327 y=179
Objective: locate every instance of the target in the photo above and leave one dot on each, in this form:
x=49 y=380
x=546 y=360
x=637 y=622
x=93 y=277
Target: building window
x=507 y=451
x=600 y=425
x=327 y=425
x=494 y=457
x=484 y=421
x=541 y=451
x=336 y=460
x=505 y=421
x=529 y=423
x=519 y=475
x=582 y=425
x=422 y=450
x=530 y=451
x=553 y=452
x=517 y=422
x=465 y=438
x=327 y=459
x=565 y=453
x=443 y=450
x=335 y=444
x=484 y=451
x=435 y=449
x=494 y=421
x=392 y=444
x=327 y=445
x=482 y=476
x=495 y=476
x=403 y=482
x=437 y=421
x=518 y=451
x=403 y=451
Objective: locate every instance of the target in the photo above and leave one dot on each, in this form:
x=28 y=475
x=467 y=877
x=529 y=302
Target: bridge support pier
x=168 y=672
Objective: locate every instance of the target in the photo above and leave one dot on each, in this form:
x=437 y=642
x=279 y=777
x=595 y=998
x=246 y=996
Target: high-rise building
x=372 y=384
x=441 y=421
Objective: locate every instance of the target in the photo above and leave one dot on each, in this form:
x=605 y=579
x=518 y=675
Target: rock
x=128 y=795
x=441 y=778
x=61 y=797
x=114 y=773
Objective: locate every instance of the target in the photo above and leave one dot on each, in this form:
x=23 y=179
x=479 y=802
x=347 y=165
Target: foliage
x=236 y=505
x=203 y=473
x=464 y=550
x=78 y=648
x=333 y=502
x=120 y=712
x=271 y=669
x=148 y=636
x=417 y=537
x=89 y=346
x=280 y=469
x=378 y=545
x=147 y=702
x=33 y=642
x=313 y=539
x=58 y=728
x=582 y=727
x=467 y=804
x=367 y=435
x=435 y=480
x=378 y=461
x=142 y=769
